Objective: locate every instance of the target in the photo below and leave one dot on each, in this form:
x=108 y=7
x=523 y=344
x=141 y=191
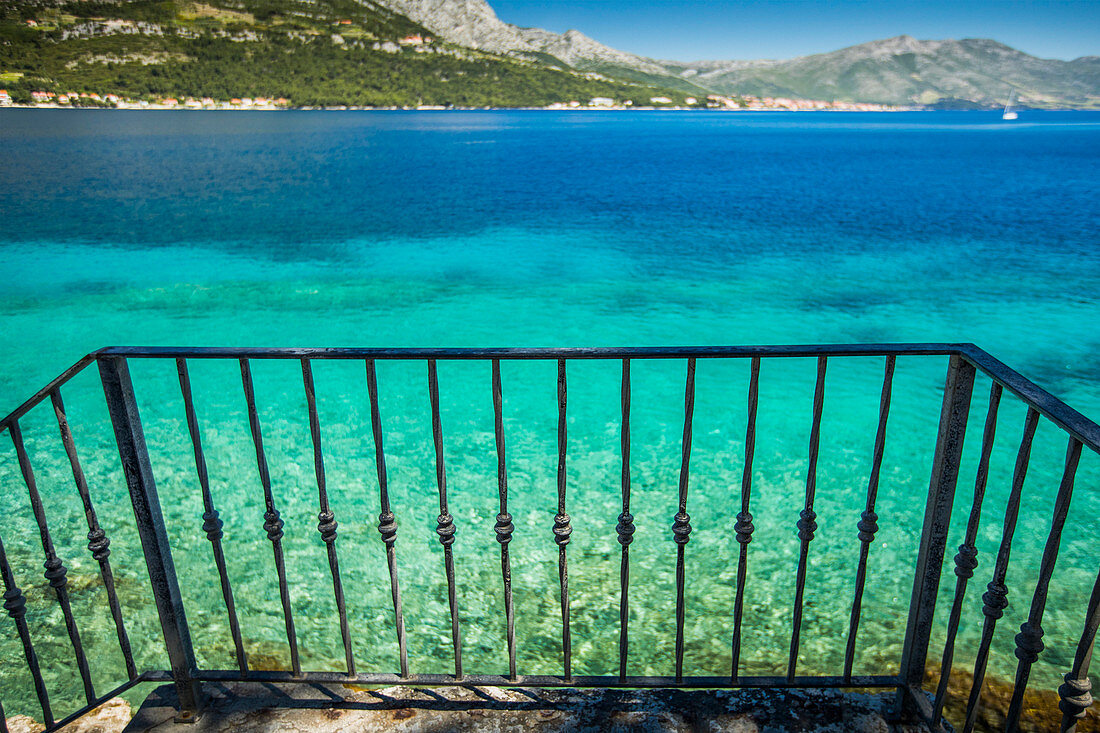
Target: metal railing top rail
x=535 y=352
x=1054 y=409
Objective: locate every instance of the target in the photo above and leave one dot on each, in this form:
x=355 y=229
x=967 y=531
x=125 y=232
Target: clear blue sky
x=695 y=29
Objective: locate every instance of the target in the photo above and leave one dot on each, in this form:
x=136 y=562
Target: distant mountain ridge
x=459 y=53
x=904 y=70
x=474 y=24
x=900 y=70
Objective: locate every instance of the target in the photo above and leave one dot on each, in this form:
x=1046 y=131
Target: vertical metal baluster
x=958 y=390
x=387 y=522
x=15 y=603
x=995 y=599
x=807 y=523
x=211 y=523
x=118 y=392
x=55 y=569
x=868 y=521
x=967 y=558
x=744 y=527
x=625 y=528
x=445 y=525
x=1075 y=693
x=562 y=530
x=98 y=542
x=273 y=523
x=326 y=519
x=681 y=525
x=504 y=526
x=1029 y=642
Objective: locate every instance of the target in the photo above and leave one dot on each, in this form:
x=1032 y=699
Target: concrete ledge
x=315 y=708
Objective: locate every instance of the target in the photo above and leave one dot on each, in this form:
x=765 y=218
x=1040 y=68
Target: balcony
x=65 y=679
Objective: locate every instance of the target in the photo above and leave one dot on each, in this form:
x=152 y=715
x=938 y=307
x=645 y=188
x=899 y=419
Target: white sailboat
x=1009 y=113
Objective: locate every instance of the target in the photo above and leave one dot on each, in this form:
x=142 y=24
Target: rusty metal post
x=122 y=405
x=937 y=519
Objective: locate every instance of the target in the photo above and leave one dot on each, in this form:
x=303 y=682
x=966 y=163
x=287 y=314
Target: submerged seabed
x=465 y=229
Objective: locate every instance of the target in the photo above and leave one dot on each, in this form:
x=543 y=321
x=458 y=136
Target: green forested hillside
x=311 y=52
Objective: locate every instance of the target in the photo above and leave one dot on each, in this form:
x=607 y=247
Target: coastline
x=713 y=102
x=441 y=109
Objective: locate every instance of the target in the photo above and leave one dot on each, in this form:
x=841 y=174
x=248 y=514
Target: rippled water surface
x=544 y=229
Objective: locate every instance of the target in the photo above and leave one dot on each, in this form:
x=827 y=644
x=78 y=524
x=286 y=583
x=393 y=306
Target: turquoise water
x=523 y=228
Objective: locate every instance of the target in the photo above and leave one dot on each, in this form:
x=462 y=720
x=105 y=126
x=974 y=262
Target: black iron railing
x=965 y=360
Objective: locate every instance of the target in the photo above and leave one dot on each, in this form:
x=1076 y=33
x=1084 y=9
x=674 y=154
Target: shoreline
x=548 y=108
x=434 y=108
x=713 y=102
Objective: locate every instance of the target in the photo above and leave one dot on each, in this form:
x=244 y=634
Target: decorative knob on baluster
x=681 y=528
x=326 y=525
x=446 y=529
x=212 y=525
x=387 y=527
x=744 y=528
x=995 y=600
x=807 y=524
x=562 y=530
x=99 y=545
x=55 y=572
x=1076 y=696
x=15 y=603
x=625 y=529
x=273 y=525
x=867 y=526
x=966 y=561
x=504 y=528
x=1029 y=642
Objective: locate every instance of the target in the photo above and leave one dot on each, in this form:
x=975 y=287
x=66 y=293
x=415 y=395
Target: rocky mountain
x=474 y=24
x=458 y=52
x=901 y=70
x=904 y=70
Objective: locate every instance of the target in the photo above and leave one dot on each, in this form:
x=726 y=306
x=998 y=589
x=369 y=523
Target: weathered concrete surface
x=110 y=717
x=256 y=708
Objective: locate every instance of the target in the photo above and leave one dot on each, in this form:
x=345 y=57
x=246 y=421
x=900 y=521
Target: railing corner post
x=937 y=519
x=122 y=405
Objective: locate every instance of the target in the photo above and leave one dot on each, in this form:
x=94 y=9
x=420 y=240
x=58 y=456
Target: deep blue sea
x=546 y=229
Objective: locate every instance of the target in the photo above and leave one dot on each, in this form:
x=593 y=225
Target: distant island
x=273 y=54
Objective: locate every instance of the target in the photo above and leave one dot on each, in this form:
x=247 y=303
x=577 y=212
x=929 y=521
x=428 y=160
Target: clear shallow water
x=518 y=228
